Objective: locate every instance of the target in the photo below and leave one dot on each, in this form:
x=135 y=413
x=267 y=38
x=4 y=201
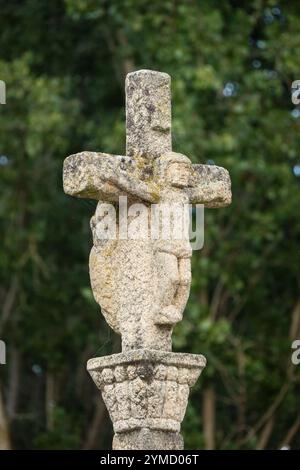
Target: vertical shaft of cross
x=148 y=114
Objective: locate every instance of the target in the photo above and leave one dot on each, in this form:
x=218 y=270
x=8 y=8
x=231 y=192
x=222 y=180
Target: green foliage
x=232 y=65
x=65 y=433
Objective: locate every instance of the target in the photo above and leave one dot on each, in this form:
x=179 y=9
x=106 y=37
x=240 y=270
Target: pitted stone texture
x=148 y=113
x=146 y=389
x=127 y=282
x=211 y=186
x=105 y=177
x=148 y=439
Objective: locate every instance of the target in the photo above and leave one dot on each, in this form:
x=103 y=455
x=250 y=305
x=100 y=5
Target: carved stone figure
x=142 y=282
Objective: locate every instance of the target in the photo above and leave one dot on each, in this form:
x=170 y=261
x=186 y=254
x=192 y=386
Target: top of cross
x=149 y=150
x=148 y=114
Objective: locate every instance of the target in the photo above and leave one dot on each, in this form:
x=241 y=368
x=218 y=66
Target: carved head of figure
x=175 y=169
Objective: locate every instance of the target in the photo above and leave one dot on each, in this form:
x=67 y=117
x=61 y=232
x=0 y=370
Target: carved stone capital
x=146 y=388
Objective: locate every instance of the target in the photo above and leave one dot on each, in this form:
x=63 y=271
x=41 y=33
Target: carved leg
x=172 y=314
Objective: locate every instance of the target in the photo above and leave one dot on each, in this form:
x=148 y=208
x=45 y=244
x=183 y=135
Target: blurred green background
x=232 y=65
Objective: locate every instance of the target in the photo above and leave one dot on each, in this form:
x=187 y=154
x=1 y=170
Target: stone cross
x=142 y=284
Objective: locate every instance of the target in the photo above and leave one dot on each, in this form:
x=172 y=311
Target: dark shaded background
x=232 y=65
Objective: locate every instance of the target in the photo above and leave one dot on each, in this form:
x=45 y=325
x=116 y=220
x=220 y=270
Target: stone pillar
x=142 y=285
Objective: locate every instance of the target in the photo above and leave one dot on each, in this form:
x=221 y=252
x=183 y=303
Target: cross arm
x=84 y=175
x=211 y=186
x=101 y=176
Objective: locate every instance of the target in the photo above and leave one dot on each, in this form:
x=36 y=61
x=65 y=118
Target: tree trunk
x=209 y=406
x=5 y=443
x=266 y=434
x=92 y=439
x=50 y=400
x=13 y=384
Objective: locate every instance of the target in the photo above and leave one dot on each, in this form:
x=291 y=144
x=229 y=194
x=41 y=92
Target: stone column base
x=148 y=439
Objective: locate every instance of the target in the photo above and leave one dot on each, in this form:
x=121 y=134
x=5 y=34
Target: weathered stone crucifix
x=142 y=284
